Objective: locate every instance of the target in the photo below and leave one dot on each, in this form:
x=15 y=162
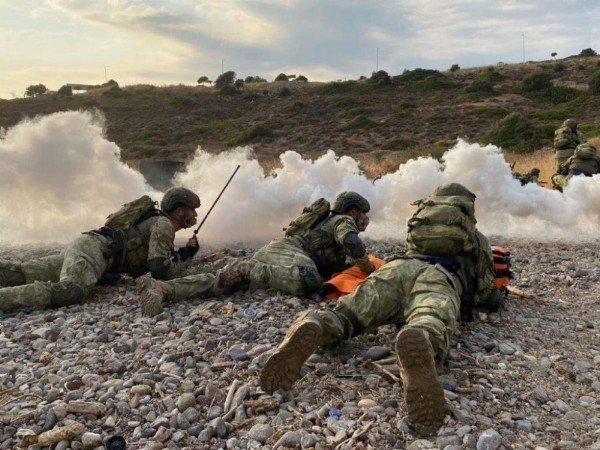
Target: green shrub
x=258 y=130
x=181 y=102
x=419 y=74
x=516 y=133
x=115 y=91
x=594 y=83
x=346 y=87
x=454 y=68
x=432 y=83
x=301 y=78
x=480 y=85
x=285 y=92
x=381 y=77
x=358 y=122
x=65 y=90
x=588 y=52
x=536 y=81
x=491 y=75
x=490 y=112
x=281 y=77
x=553 y=113
x=559 y=67
x=555 y=94
x=398 y=144
x=228 y=90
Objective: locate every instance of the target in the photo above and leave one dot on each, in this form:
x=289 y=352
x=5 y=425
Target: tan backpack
x=310 y=217
x=442 y=226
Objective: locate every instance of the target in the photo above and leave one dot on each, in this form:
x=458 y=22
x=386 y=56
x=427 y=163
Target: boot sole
x=423 y=393
x=283 y=367
x=151 y=303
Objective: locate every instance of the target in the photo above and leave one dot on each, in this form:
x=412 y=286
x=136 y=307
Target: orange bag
x=346 y=281
x=502 y=267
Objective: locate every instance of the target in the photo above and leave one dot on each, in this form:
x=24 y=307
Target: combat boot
x=11 y=274
x=234 y=273
x=152 y=294
x=423 y=392
x=282 y=368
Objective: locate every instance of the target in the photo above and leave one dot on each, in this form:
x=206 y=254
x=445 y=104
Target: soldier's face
x=187 y=217
x=362 y=221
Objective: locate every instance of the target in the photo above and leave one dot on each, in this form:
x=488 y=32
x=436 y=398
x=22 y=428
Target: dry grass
x=543 y=159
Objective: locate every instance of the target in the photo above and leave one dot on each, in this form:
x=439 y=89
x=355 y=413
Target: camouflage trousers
x=78 y=269
x=408 y=292
x=191 y=286
x=284 y=265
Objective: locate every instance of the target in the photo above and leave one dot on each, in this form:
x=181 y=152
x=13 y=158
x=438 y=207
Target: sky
x=163 y=42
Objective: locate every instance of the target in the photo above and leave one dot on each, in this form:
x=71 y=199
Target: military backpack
x=442 y=226
x=132 y=213
x=310 y=217
x=585 y=151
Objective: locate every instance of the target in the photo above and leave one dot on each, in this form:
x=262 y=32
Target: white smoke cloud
x=59 y=176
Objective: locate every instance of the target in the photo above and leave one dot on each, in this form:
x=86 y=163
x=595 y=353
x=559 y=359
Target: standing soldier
x=136 y=239
x=566 y=139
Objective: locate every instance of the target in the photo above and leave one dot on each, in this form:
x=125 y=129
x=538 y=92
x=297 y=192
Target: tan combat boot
x=234 y=273
x=283 y=367
x=423 y=392
x=152 y=294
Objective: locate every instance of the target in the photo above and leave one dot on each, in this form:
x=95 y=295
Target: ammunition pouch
x=352 y=326
x=310 y=280
x=115 y=245
x=66 y=293
x=467 y=303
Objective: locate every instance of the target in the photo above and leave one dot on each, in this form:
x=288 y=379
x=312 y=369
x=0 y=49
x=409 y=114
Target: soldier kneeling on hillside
x=446 y=271
x=585 y=161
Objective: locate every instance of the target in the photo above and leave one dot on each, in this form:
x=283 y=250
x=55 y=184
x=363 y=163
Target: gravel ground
x=525 y=378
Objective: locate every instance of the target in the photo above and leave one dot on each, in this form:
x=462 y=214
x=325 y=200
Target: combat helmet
x=348 y=199
x=571 y=123
x=177 y=196
x=449 y=189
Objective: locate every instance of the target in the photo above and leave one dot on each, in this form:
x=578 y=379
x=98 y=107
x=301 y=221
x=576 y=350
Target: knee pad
x=11 y=275
x=66 y=293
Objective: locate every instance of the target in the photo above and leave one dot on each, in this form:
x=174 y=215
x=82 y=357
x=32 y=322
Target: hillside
x=420 y=112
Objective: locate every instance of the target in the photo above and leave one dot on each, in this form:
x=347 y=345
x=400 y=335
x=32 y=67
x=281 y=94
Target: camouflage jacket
x=579 y=166
x=149 y=248
x=331 y=242
x=475 y=275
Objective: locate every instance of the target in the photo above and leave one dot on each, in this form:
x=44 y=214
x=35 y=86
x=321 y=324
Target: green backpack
x=308 y=218
x=130 y=214
x=442 y=226
x=585 y=151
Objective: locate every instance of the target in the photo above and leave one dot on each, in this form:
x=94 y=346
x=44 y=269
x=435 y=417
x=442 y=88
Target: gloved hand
x=189 y=250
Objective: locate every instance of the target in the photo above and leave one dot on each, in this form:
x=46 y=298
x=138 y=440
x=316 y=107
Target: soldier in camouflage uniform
x=426 y=295
x=298 y=264
x=103 y=254
x=566 y=139
x=293 y=264
x=585 y=161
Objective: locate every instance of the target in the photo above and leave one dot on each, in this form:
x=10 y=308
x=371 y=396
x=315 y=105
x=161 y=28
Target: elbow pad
x=158 y=268
x=354 y=245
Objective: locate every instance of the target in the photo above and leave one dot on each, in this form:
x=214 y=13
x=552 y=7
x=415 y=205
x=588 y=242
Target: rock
x=91 y=440
x=260 y=433
x=290 y=439
x=489 y=440
x=185 y=401
x=376 y=353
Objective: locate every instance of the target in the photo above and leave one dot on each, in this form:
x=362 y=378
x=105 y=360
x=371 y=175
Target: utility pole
x=523 y=47
x=377 y=62
x=222 y=61
x=105 y=76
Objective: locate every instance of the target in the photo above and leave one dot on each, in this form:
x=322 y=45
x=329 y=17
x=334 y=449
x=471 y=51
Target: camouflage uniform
x=566 y=139
x=415 y=293
x=299 y=264
x=582 y=164
x=426 y=295
x=68 y=278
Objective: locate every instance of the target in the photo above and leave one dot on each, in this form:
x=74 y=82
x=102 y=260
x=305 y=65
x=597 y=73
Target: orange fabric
x=345 y=282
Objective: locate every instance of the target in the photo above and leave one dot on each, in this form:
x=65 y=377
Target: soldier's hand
x=192 y=242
